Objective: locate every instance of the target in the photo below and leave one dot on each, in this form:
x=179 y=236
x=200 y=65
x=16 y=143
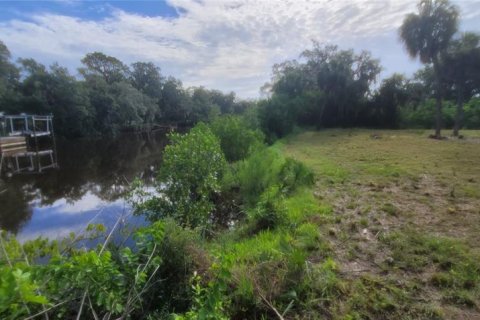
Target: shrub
x=270 y=211
x=257 y=173
x=191 y=172
x=295 y=174
x=236 y=139
x=266 y=168
x=423 y=116
x=472 y=114
x=181 y=255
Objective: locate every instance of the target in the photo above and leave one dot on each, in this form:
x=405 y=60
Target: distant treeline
x=109 y=97
x=330 y=87
x=325 y=87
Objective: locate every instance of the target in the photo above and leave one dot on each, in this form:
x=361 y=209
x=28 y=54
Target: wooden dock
x=20 y=137
x=12 y=145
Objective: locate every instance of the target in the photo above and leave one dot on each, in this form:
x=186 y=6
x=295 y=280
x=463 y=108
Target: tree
x=133 y=107
x=427 y=34
x=461 y=65
x=175 y=104
x=109 y=68
x=327 y=87
x=190 y=175
x=9 y=77
x=204 y=107
x=55 y=91
x=391 y=95
x=146 y=77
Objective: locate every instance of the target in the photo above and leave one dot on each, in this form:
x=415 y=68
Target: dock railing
x=20 y=146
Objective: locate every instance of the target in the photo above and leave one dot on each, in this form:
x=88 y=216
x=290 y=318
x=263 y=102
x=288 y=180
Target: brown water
x=88 y=187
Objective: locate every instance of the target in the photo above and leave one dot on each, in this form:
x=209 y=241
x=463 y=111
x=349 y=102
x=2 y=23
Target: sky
x=228 y=45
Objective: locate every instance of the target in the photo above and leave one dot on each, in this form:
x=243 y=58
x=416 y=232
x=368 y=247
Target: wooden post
x=36 y=144
x=54 y=142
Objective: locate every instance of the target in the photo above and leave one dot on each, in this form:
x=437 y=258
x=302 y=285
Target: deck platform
x=21 y=139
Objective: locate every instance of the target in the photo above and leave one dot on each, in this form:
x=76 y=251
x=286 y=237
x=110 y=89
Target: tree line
x=330 y=87
x=325 y=87
x=108 y=97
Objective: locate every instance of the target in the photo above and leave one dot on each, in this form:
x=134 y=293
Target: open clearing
x=405 y=225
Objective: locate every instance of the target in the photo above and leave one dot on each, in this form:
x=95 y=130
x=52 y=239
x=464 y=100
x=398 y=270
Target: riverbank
x=368 y=235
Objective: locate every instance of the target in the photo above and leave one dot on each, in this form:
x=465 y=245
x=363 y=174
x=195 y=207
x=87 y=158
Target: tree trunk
x=438 y=116
x=459 y=116
x=438 y=97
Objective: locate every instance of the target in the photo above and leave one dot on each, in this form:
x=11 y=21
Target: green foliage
x=277 y=116
x=180 y=253
x=237 y=140
x=270 y=211
x=326 y=89
x=17 y=289
x=423 y=115
x=322 y=282
x=209 y=301
x=294 y=174
x=89 y=271
x=472 y=114
x=151 y=278
x=192 y=168
x=427 y=33
x=267 y=168
x=110 y=98
x=257 y=173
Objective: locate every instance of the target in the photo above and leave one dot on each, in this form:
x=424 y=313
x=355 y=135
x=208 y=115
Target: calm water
x=89 y=186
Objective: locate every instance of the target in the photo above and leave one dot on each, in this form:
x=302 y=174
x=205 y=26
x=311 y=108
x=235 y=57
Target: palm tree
x=426 y=35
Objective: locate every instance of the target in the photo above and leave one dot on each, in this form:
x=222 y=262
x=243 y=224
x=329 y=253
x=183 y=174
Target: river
x=88 y=187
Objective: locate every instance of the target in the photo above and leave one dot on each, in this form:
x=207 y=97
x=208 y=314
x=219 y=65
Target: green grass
x=355 y=155
x=403 y=223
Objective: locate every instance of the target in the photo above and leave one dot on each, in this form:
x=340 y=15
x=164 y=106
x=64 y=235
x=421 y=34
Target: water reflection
x=90 y=184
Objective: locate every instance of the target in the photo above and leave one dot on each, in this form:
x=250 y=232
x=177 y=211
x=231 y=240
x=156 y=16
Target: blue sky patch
x=88 y=10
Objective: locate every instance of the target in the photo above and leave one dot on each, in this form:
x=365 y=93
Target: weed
x=390 y=209
x=364 y=222
x=461 y=298
x=270 y=211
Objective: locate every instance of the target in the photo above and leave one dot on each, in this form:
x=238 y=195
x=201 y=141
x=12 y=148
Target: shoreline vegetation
x=351 y=229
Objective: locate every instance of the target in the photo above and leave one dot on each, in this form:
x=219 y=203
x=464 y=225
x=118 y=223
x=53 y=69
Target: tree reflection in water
x=92 y=173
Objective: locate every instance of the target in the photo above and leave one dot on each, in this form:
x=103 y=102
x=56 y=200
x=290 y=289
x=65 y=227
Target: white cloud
x=229 y=45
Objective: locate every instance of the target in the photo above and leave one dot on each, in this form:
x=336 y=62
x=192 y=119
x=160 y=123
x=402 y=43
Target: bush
x=237 y=140
x=423 y=116
x=181 y=255
x=266 y=168
x=270 y=211
x=294 y=174
x=472 y=114
x=190 y=174
x=151 y=278
x=257 y=173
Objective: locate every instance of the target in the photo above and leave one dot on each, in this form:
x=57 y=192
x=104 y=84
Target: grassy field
x=405 y=224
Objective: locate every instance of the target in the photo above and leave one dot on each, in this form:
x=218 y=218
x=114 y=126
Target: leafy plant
x=236 y=139
x=270 y=212
x=190 y=174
